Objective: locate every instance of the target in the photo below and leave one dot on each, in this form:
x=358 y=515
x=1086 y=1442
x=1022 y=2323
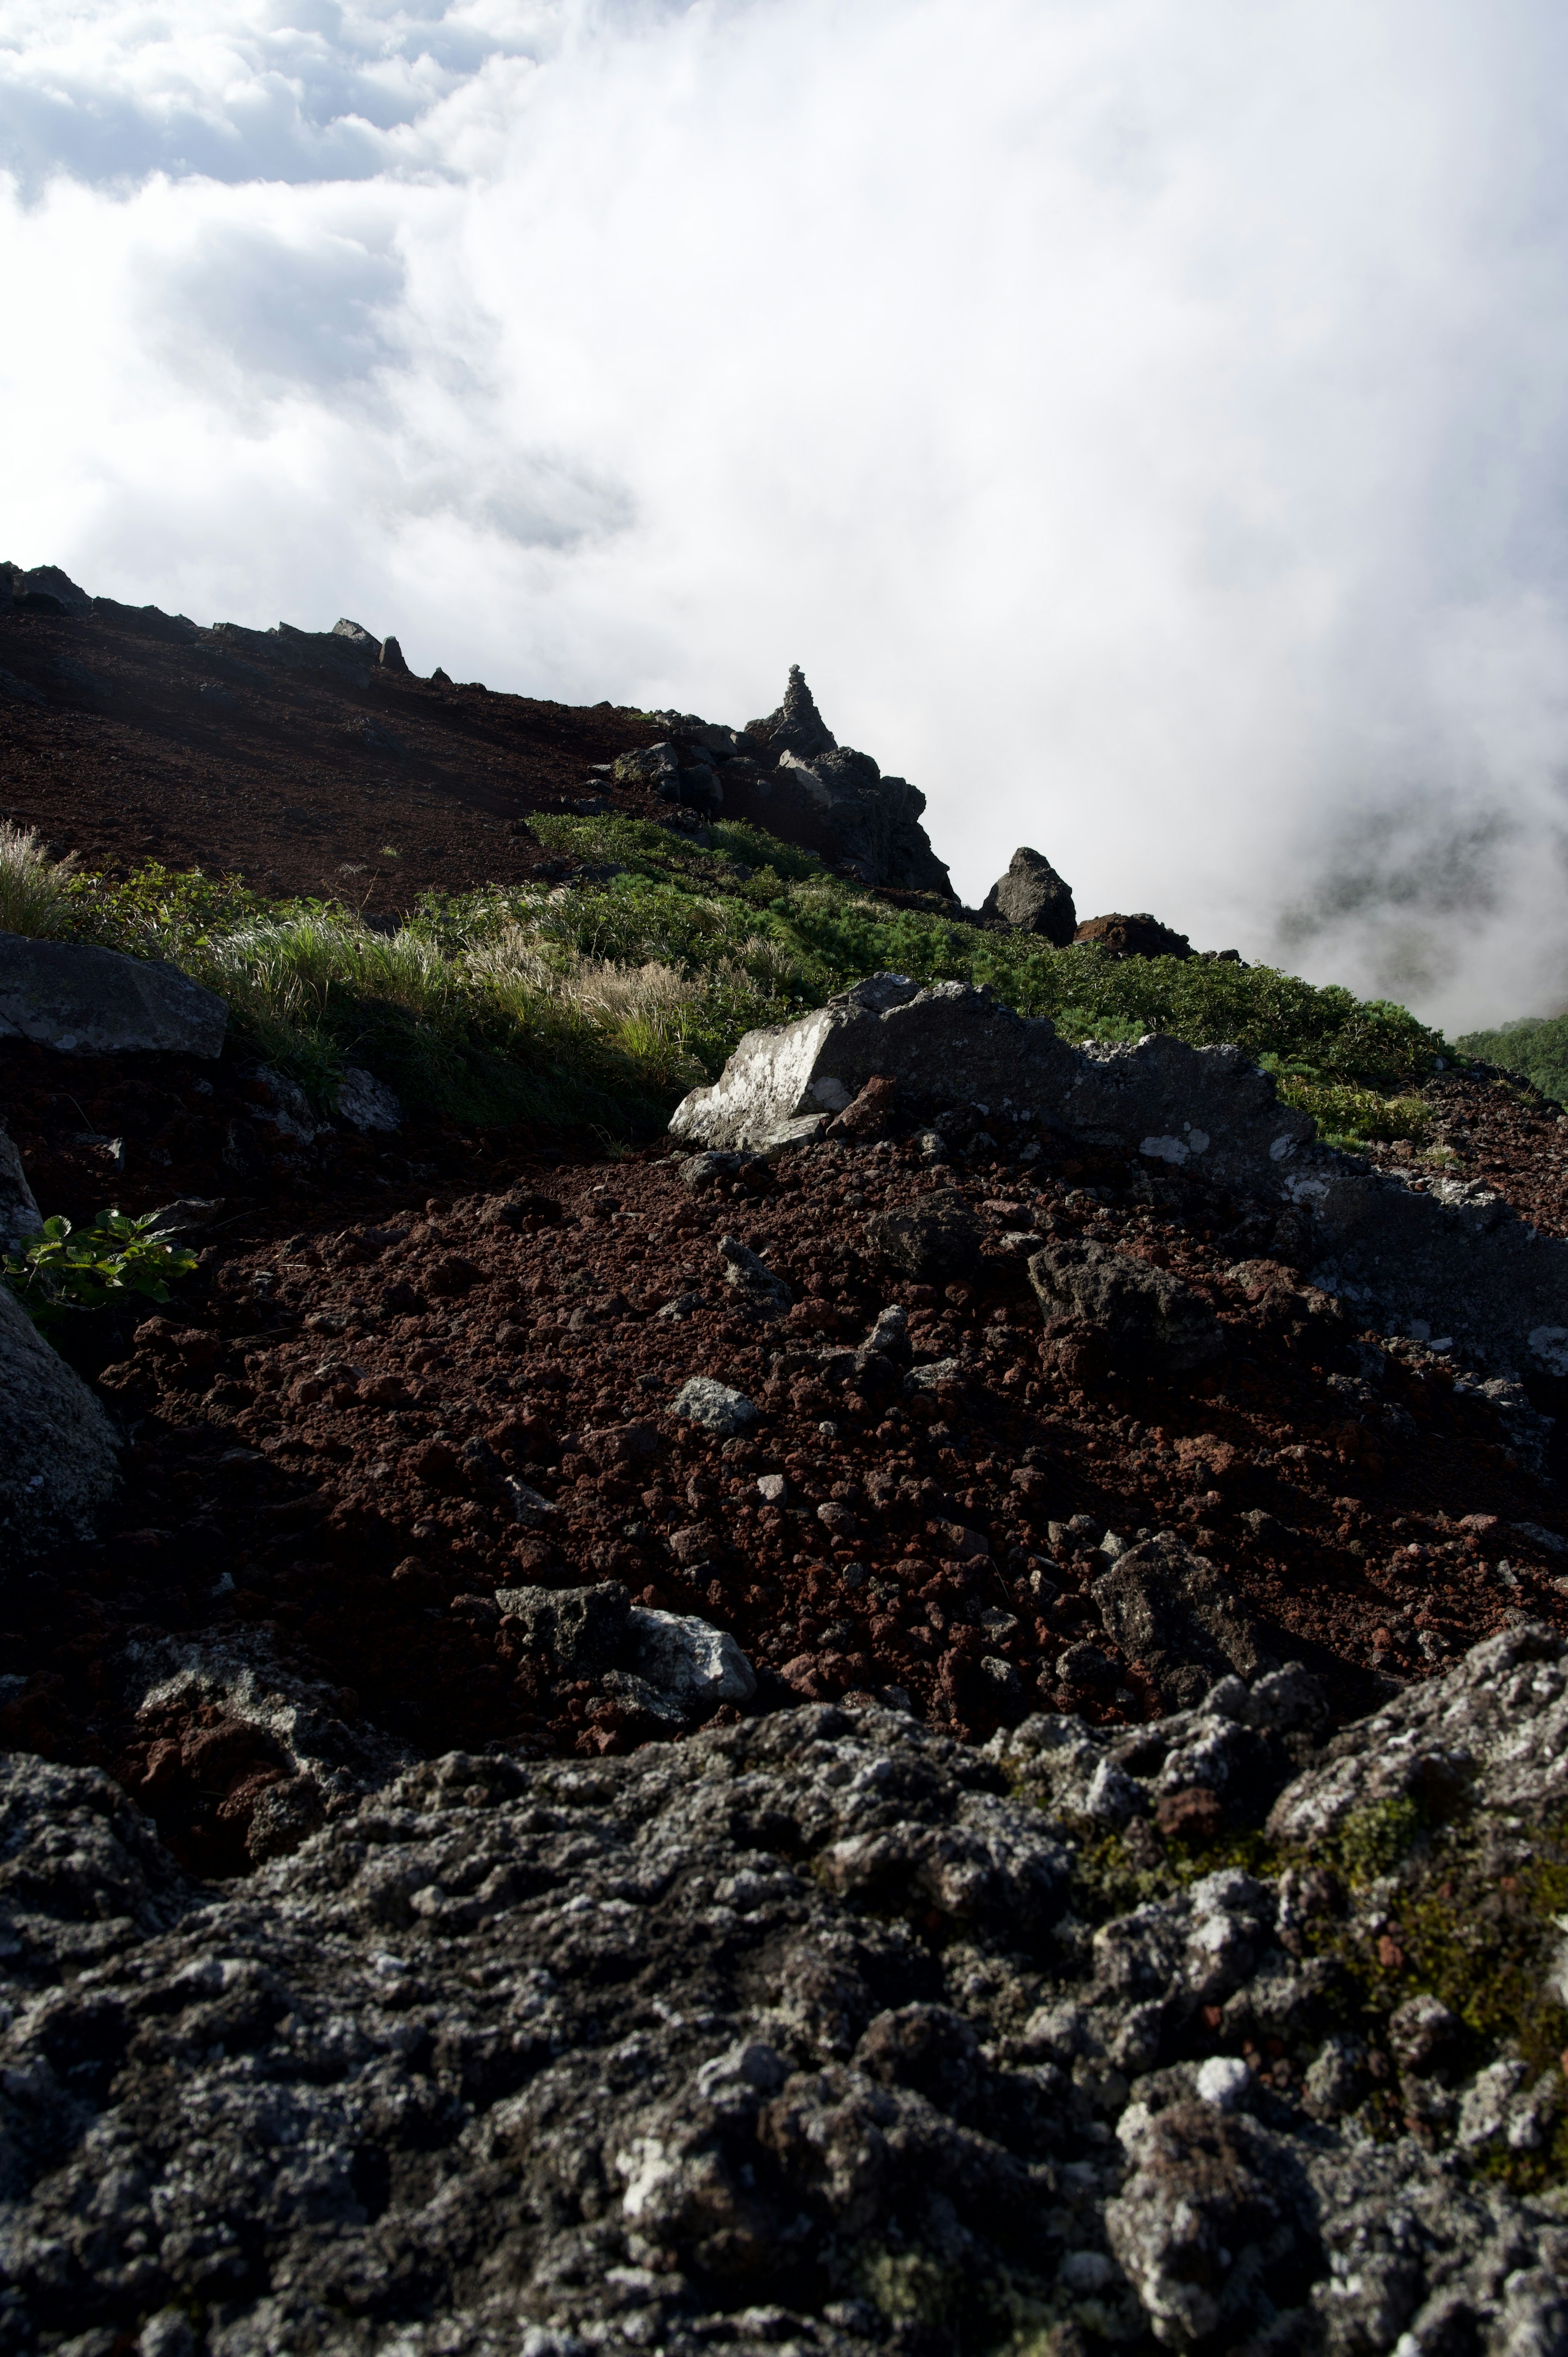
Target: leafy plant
x=1536 y=1047
x=52 y=1274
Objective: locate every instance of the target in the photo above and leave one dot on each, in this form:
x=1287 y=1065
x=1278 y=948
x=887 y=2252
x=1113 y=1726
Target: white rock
x=696 y=1665
x=365 y=1103
x=1224 y=2081
x=703 y=1401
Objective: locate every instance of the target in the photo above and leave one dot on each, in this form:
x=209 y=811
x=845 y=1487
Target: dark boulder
x=1148 y=1317
x=1033 y=899
x=1139 y=936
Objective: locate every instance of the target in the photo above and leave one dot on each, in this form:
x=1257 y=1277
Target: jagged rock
x=749 y=1276
x=57 y=1449
x=937 y=1238
x=951 y=1044
x=657 y=766
x=1455 y=1261
x=1032 y=899
x=19 y=1213
x=1148 y=1317
x=1493 y=1732
x=797 y=726
x=584 y=1628
x=391 y=656
x=367 y=1103
x=697 y=1667
x=1139 y=936
x=1171 y=1611
x=93 y=1002
x=703 y=1400
x=750 y=2041
x=1446 y=1263
x=37 y=582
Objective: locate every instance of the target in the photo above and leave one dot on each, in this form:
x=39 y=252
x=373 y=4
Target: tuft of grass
x=35 y=897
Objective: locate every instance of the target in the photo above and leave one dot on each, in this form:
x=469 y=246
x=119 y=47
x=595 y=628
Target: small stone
x=1224 y=2081
x=716 y=1406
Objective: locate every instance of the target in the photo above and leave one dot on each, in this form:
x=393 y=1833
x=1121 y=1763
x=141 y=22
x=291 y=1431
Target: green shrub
x=53 y=1274
x=1536 y=1047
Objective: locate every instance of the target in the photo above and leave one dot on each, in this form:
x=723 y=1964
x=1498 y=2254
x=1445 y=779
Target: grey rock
x=704 y=1400
x=586 y=1629
x=19 y=1214
x=1171 y=1611
x=367 y=1103
x=94 y=1002
x=935 y=1238
x=1032 y=899
x=186 y=1216
x=246 y=1673
x=797 y=726
x=698 y=1667
x=1493 y=1731
x=698 y=2047
x=1148 y=1317
x=529 y=1506
x=933 y=1374
x=951 y=1044
x=59 y=1452
x=749 y=1276
x=657 y=766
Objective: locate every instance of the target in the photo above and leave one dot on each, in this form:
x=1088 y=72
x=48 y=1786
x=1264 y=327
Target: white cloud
x=1143 y=422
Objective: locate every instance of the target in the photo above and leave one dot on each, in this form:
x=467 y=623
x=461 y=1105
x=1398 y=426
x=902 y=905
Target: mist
x=1144 y=425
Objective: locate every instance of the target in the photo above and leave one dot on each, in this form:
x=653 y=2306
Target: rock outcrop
x=57 y=1449
x=789 y=774
x=86 y=1001
x=817 y=2031
x=1033 y=899
x=1447 y=1262
x=1139 y=936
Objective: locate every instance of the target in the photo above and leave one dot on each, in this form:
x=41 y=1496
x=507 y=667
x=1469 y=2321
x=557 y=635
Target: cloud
x=1144 y=423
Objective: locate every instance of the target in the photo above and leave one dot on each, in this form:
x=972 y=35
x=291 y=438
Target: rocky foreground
x=821 y=2032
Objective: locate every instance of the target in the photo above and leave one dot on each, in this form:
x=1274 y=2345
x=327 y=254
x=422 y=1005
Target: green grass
x=1536 y=1047
x=601 y=1001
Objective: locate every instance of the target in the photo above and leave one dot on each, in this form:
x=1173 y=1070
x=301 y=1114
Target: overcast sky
x=1143 y=419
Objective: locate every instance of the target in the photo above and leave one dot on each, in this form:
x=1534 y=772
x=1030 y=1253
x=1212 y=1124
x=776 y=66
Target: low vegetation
x=602 y=999
x=1536 y=1047
x=58 y=1271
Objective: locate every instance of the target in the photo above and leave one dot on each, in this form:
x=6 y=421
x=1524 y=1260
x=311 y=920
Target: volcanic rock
x=1033 y=899
x=1139 y=936
x=717 y=1405
x=1170 y=1610
x=530 y=2051
x=57 y=1447
x=936 y=1239
x=1147 y=1316
x=19 y=1213
x=797 y=726
x=96 y=1001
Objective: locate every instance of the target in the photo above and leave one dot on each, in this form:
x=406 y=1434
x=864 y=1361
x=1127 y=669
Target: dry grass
x=35 y=890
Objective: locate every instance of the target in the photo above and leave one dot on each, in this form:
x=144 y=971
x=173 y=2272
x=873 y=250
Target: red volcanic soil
x=323 y=1422
x=125 y=738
